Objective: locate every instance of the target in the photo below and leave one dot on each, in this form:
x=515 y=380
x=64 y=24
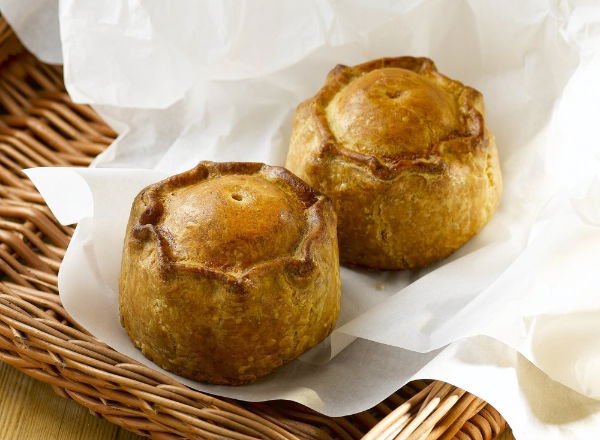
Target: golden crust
x=229 y=271
x=404 y=153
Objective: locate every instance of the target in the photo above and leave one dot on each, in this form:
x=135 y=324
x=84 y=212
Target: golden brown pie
x=229 y=270
x=404 y=153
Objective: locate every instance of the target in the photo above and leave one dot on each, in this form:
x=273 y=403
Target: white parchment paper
x=513 y=316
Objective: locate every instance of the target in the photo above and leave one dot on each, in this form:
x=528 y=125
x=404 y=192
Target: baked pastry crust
x=404 y=153
x=229 y=271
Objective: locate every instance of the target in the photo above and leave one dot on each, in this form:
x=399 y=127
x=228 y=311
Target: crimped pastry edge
x=299 y=265
x=470 y=103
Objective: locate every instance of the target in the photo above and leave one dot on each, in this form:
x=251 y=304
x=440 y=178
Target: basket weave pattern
x=40 y=126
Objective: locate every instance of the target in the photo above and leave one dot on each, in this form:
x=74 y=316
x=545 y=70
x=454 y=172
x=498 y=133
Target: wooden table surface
x=29 y=410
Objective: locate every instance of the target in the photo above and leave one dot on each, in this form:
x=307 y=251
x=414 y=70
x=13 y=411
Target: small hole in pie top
x=394 y=93
x=237 y=197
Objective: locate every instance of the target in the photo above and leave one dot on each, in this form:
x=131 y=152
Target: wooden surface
x=29 y=410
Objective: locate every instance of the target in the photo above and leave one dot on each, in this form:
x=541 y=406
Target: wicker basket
x=40 y=126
